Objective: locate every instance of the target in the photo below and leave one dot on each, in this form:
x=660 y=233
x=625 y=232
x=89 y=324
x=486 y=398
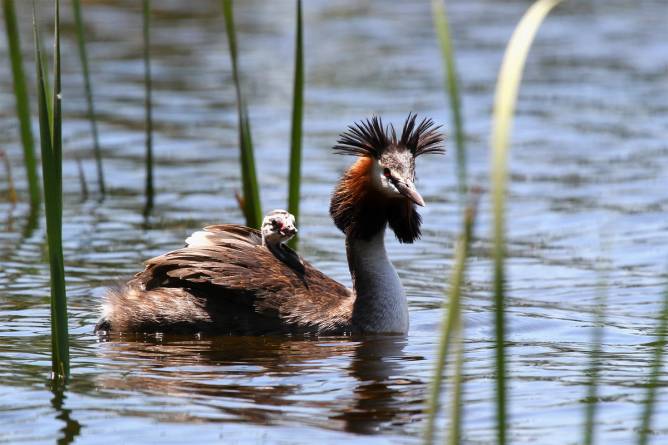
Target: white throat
x=380 y=303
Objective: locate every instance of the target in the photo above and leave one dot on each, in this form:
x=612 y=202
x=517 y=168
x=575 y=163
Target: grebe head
x=383 y=179
x=278 y=227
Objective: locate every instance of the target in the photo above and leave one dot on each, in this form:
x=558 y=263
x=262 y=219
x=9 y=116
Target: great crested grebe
x=226 y=281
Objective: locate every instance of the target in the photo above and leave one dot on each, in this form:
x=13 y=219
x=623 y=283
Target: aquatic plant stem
x=11 y=190
x=454 y=436
x=22 y=102
x=452 y=84
x=505 y=97
x=146 y=13
x=451 y=319
x=657 y=361
x=595 y=364
x=51 y=144
x=88 y=89
x=297 y=123
x=252 y=207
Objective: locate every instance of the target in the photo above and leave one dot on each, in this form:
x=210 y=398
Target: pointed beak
x=288 y=231
x=407 y=188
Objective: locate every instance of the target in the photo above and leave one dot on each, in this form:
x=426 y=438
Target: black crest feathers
x=370 y=138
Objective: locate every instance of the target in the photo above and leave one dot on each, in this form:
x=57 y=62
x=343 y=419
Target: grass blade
x=82 y=180
x=595 y=365
x=297 y=123
x=505 y=97
x=22 y=102
x=252 y=207
x=78 y=19
x=148 y=105
x=451 y=323
x=11 y=190
x=452 y=85
x=660 y=344
x=454 y=437
x=51 y=145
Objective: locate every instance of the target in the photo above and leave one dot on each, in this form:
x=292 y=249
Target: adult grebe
x=226 y=281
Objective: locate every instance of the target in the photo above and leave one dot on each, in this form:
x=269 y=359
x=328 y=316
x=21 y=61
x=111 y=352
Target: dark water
x=588 y=193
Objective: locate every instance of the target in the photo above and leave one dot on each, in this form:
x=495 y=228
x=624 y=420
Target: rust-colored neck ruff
x=361 y=211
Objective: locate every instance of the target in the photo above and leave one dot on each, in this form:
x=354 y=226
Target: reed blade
x=452 y=85
x=454 y=436
x=88 y=89
x=11 y=190
x=252 y=207
x=297 y=123
x=148 y=106
x=505 y=97
x=655 y=372
x=82 y=180
x=22 y=102
x=451 y=323
x=51 y=147
x=595 y=364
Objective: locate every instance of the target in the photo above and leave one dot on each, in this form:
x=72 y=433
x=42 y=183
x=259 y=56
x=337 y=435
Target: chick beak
x=287 y=230
x=407 y=188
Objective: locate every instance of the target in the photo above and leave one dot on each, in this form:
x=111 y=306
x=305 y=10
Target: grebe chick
x=225 y=281
x=278 y=227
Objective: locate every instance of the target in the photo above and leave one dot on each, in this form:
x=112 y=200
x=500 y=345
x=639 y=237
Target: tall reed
x=595 y=364
x=452 y=85
x=451 y=326
x=148 y=105
x=50 y=126
x=22 y=102
x=88 y=89
x=252 y=207
x=11 y=190
x=297 y=120
x=82 y=180
x=657 y=361
x=505 y=97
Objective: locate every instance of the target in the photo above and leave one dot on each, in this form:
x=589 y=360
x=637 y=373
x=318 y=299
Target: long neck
x=380 y=303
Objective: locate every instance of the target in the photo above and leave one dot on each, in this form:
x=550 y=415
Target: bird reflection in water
x=272 y=380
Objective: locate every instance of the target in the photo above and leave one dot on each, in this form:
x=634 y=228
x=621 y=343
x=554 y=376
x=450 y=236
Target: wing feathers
x=227 y=263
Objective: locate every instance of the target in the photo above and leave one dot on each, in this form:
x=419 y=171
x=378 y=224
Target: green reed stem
x=252 y=208
x=595 y=365
x=82 y=180
x=451 y=319
x=51 y=145
x=22 y=102
x=148 y=106
x=78 y=19
x=659 y=346
x=297 y=123
x=452 y=84
x=505 y=97
x=11 y=190
x=454 y=437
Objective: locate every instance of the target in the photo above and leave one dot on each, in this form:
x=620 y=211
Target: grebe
x=226 y=281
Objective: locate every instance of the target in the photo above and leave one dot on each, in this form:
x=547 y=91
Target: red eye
x=387 y=173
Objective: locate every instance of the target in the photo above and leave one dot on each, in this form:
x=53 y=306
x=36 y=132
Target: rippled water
x=588 y=192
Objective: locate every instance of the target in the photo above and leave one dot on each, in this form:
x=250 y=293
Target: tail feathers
x=129 y=309
x=103 y=325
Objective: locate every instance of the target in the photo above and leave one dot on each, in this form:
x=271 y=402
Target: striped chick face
x=278 y=227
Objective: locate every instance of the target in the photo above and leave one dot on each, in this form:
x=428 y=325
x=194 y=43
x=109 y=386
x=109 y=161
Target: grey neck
x=380 y=302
